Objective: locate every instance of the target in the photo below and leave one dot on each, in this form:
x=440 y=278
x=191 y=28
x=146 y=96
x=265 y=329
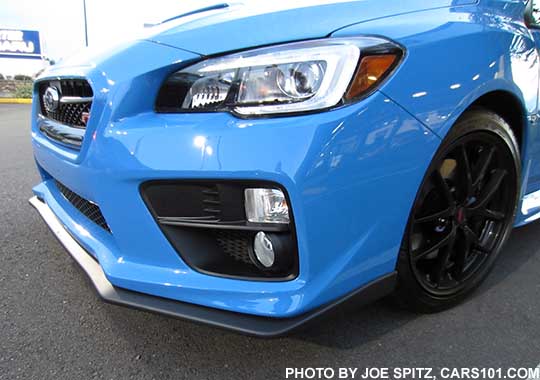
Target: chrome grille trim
x=75 y=99
x=61 y=133
x=66 y=121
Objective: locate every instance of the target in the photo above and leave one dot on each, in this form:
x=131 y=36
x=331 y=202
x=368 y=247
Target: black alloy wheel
x=462 y=215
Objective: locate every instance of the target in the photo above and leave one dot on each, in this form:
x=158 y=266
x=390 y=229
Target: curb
x=15 y=101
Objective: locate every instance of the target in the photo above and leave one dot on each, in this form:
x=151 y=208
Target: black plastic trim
x=248 y=324
x=240 y=226
x=267 y=277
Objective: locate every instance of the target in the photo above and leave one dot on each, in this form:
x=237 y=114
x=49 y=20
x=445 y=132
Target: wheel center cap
x=460 y=215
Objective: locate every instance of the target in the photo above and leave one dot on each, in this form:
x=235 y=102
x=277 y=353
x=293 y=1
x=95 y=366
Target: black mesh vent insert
x=237 y=244
x=87 y=208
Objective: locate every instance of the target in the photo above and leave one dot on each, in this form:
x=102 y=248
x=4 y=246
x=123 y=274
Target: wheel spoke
x=443 y=187
x=462 y=253
x=463 y=161
x=487 y=214
x=482 y=166
x=470 y=234
x=474 y=239
x=446 y=213
x=462 y=213
x=493 y=215
x=418 y=254
x=490 y=189
x=442 y=259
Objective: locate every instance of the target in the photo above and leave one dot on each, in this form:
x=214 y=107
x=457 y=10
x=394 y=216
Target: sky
x=61 y=23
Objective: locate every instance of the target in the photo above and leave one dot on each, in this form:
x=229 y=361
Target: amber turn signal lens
x=372 y=69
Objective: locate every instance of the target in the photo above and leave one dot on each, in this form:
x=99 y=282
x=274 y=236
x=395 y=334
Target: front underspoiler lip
x=238 y=322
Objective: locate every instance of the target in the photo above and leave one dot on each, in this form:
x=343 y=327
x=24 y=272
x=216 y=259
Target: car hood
x=228 y=27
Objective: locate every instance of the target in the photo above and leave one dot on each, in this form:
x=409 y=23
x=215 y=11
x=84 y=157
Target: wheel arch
x=506 y=100
x=508 y=106
x=477 y=121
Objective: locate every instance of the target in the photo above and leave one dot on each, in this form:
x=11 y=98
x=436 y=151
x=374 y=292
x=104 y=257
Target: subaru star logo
x=51 y=98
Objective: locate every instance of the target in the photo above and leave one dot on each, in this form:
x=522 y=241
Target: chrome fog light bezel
x=263 y=250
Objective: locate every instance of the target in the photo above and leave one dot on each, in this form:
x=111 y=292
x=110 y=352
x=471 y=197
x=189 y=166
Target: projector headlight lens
x=266 y=206
x=297 y=77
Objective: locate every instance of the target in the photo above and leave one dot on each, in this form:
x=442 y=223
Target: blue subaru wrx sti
x=253 y=166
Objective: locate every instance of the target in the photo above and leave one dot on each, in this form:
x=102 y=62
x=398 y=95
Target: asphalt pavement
x=53 y=326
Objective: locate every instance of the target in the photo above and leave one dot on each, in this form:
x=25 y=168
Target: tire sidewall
x=409 y=292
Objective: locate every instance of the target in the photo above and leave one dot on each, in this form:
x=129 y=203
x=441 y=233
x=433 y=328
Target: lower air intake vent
x=206 y=224
x=87 y=208
x=237 y=244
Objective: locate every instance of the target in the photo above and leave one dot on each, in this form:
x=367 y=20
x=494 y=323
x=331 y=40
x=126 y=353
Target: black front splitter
x=238 y=322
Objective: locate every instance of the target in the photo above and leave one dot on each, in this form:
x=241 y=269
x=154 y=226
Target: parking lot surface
x=53 y=326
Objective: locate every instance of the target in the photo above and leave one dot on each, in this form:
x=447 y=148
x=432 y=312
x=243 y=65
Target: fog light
x=266 y=206
x=264 y=250
x=272 y=252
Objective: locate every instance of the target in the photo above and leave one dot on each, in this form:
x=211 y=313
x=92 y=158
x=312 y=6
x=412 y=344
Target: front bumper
x=351 y=173
x=242 y=323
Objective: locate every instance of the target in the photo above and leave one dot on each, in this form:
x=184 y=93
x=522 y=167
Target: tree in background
x=24 y=89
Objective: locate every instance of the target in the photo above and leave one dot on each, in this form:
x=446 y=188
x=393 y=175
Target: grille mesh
x=72 y=114
x=87 y=208
x=236 y=244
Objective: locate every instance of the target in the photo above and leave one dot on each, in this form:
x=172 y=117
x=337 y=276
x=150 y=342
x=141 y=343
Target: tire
x=462 y=215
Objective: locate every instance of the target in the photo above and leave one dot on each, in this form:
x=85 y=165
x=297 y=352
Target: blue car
x=254 y=166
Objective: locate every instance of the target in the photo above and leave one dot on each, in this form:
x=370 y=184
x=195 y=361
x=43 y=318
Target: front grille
x=72 y=114
x=87 y=208
x=75 y=101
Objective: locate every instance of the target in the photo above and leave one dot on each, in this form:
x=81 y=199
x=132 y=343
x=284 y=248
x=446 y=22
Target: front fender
x=488 y=51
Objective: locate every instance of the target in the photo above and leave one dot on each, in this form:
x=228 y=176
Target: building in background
x=21 y=53
x=58 y=29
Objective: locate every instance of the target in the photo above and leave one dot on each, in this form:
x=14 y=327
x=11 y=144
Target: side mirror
x=532 y=15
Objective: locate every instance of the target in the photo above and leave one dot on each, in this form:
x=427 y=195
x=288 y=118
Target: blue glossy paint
x=244 y=26
x=457 y=54
x=352 y=173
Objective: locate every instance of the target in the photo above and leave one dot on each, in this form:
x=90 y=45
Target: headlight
x=297 y=77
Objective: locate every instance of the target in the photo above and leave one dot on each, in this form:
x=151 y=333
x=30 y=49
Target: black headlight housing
x=285 y=79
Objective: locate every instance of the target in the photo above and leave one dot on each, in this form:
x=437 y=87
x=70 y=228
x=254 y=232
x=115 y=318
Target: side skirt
x=530 y=208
